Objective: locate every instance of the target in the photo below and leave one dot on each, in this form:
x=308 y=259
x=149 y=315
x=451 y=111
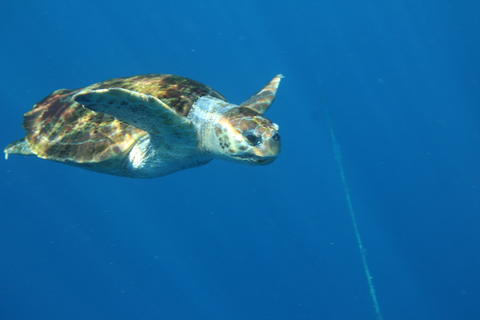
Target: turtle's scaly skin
x=60 y=129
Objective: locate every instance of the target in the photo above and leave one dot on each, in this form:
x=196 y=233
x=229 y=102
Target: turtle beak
x=269 y=150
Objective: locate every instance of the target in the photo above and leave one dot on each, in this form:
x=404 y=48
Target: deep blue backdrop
x=401 y=80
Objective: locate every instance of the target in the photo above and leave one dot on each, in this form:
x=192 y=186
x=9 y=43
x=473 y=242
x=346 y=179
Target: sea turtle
x=149 y=126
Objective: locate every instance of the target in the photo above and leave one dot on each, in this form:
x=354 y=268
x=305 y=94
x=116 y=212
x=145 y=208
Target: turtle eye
x=276 y=137
x=252 y=139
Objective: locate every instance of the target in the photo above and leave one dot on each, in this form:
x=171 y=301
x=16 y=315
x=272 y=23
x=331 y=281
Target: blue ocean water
x=401 y=81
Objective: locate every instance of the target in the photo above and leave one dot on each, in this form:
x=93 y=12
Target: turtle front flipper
x=142 y=111
x=262 y=100
x=18 y=147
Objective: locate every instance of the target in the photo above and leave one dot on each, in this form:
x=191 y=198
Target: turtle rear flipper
x=18 y=147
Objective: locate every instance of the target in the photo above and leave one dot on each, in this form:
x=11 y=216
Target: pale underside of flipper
x=146 y=112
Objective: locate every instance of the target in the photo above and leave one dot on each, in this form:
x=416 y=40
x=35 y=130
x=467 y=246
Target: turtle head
x=245 y=136
x=240 y=133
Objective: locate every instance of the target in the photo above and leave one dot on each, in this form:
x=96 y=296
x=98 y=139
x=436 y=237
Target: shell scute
x=178 y=92
x=60 y=129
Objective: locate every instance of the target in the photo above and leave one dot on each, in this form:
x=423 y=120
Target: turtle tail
x=18 y=147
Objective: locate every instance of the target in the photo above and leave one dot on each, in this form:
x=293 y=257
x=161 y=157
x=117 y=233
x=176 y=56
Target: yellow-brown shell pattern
x=60 y=129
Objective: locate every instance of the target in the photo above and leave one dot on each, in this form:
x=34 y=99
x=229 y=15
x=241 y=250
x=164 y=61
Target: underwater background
x=396 y=84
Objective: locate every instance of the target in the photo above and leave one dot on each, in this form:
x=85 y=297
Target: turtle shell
x=60 y=129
